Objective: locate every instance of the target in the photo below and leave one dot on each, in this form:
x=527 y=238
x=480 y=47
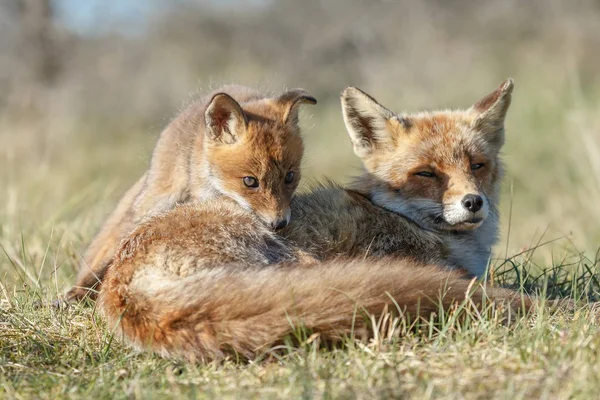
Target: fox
x=429 y=191
x=208 y=280
x=235 y=142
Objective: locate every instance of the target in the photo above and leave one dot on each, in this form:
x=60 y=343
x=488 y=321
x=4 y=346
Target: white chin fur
x=456 y=214
x=288 y=215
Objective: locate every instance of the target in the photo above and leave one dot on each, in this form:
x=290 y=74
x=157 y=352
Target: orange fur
x=209 y=280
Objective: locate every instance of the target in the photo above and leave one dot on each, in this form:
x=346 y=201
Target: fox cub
x=207 y=280
x=236 y=142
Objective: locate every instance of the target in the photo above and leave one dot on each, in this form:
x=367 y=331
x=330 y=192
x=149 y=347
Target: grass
x=50 y=353
x=58 y=181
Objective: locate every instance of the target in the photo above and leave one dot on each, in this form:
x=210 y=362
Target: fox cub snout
x=441 y=169
x=256 y=161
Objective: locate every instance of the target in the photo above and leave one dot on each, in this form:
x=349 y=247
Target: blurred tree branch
x=40 y=52
x=43 y=47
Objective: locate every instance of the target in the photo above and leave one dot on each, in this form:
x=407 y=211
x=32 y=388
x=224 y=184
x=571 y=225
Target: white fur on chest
x=472 y=250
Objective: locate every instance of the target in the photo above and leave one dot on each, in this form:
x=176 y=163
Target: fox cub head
x=254 y=153
x=441 y=169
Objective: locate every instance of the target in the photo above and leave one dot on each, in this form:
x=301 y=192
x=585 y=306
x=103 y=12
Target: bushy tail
x=224 y=310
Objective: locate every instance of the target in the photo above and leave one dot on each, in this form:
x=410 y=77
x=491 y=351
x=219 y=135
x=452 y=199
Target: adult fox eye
x=250 y=182
x=425 y=174
x=289 y=177
x=476 y=166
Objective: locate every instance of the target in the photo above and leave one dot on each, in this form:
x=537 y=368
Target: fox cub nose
x=279 y=224
x=472 y=202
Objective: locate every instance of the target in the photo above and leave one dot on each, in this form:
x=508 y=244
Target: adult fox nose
x=472 y=202
x=279 y=224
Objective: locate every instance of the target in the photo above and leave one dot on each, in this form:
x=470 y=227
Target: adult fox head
x=254 y=154
x=441 y=169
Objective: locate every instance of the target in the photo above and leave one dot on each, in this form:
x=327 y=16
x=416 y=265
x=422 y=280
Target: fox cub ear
x=366 y=120
x=290 y=102
x=225 y=120
x=491 y=110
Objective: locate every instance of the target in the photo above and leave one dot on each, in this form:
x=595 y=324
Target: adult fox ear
x=291 y=101
x=491 y=112
x=366 y=121
x=225 y=120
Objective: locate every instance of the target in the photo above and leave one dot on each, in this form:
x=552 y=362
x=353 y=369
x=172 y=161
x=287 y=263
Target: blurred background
x=87 y=86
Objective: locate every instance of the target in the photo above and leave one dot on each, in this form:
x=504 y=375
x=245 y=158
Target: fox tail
x=246 y=311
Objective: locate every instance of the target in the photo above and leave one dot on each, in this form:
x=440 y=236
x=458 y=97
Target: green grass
x=63 y=168
x=50 y=353
x=57 y=191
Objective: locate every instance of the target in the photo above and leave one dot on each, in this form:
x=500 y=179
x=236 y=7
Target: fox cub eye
x=425 y=174
x=250 y=182
x=289 y=177
x=477 y=166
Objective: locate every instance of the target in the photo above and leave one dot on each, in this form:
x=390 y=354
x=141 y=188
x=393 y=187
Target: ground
x=58 y=185
x=50 y=353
